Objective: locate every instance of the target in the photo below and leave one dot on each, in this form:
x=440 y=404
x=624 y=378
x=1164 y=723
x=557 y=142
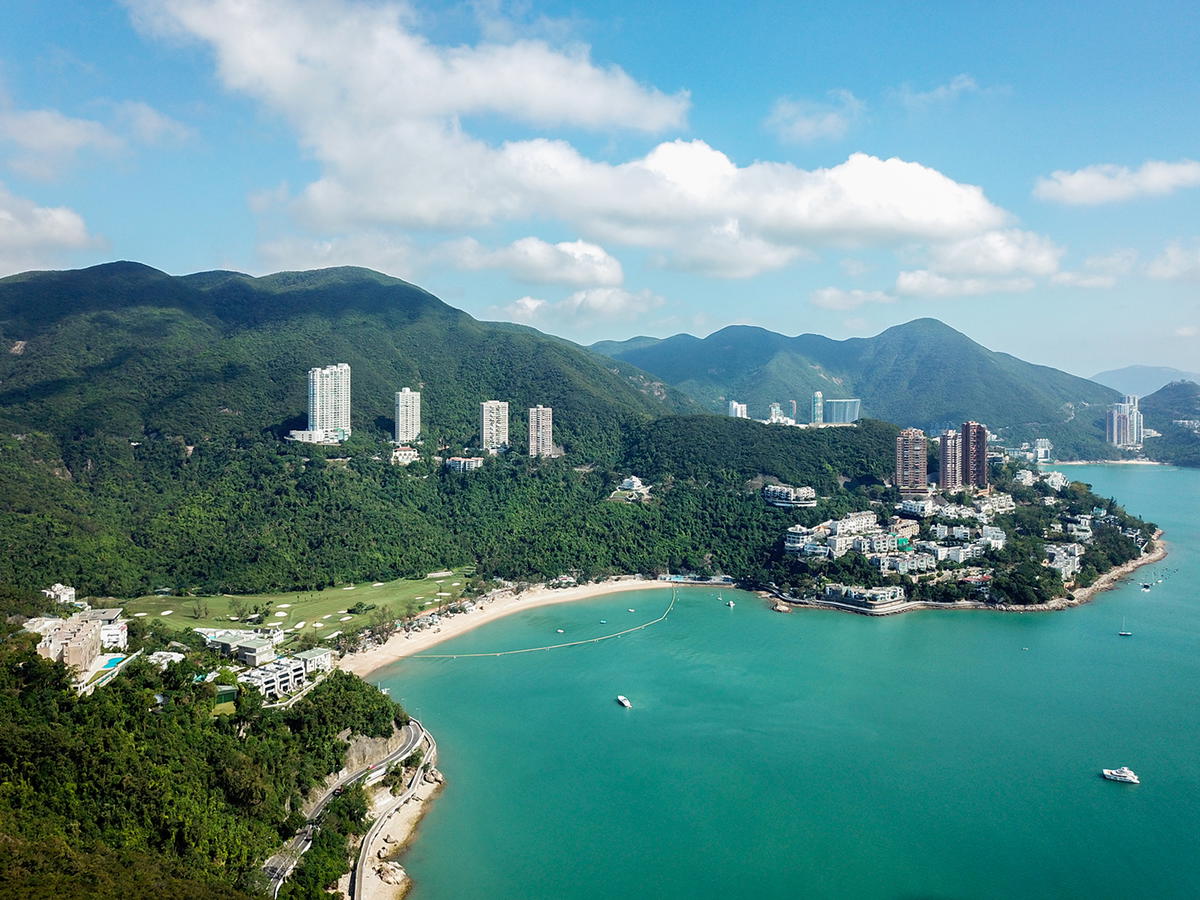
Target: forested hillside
x=923 y=373
x=1179 y=444
x=138 y=790
x=123 y=350
x=265 y=514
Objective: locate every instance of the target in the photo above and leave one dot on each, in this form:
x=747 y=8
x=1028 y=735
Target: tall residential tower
x=950 y=461
x=408 y=415
x=493 y=424
x=328 y=405
x=974 y=454
x=912 y=461
x=818 y=408
x=541 y=431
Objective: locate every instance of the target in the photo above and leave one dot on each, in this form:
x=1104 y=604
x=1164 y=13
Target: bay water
x=824 y=754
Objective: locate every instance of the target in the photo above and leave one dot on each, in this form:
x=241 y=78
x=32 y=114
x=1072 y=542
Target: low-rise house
x=464 y=463
x=277 y=678
x=1067 y=558
x=964 y=553
x=1025 y=478
x=1055 y=480
x=795 y=538
x=994 y=537
x=633 y=483
x=879 y=542
x=164 y=658
x=75 y=642
x=405 y=456
x=60 y=593
x=786 y=496
x=904 y=528
x=114 y=630
x=863 y=596
x=921 y=507
x=854 y=523
x=318 y=659
x=255 y=652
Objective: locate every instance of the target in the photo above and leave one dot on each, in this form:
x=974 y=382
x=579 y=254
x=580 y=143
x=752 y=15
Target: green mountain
x=141 y=416
x=1142 y=380
x=127 y=351
x=922 y=373
x=1176 y=402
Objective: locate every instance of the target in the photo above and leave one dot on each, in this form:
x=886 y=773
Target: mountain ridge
x=923 y=373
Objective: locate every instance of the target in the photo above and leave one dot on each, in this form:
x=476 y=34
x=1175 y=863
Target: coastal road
x=358 y=874
x=281 y=864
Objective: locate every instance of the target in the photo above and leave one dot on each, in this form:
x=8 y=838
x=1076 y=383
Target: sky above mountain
x=1028 y=173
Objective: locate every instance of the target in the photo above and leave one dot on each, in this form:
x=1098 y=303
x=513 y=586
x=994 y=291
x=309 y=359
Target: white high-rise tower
x=541 y=431
x=493 y=424
x=408 y=415
x=818 y=408
x=329 y=402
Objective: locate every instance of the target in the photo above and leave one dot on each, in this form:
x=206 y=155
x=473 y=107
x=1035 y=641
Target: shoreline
x=489 y=609
x=506 y=603
x=1108 y=462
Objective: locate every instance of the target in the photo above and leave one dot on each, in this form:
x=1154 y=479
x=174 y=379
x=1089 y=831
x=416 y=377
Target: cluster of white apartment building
x=287 y=674
x=788 y=497
x=79 y=639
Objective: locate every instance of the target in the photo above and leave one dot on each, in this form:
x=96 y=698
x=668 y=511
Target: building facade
x=493 y=424
x=408 y=415
x=974 y=454
x=464 y=463
x=912 y=461
x=1123 y=424
x=738 y=410
x=818 y=409
x=329 y=401
x=541 y=431
x=950 y=461
x=842 y=412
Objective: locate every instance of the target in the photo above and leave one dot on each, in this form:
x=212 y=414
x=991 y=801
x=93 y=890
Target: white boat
x=729 y=603
x=1123 y=632
x=1124 y=774
x=560 y=631
x=624 y=701
x=631 y=609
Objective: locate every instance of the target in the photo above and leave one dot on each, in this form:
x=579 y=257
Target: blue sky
x=1028 y=173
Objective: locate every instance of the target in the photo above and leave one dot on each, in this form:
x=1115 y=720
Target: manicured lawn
x=321 y=612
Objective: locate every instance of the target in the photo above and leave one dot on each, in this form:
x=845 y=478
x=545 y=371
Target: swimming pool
x=113 y=663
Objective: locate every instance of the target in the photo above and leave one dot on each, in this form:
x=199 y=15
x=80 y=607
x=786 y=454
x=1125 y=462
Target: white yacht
x=729 y=603
x=1124 y=773
x=624 y=701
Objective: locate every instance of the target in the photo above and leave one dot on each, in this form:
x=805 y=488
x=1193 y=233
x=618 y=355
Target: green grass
x=320 y=611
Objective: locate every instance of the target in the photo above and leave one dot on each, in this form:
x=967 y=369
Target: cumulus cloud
x=924 y=283
x=943 y=93
x=371 y=250
x=838 y=298
x=1179 y=261
x=583 y=308
x=1107 y=183
x=806 y=121
x=386 y=113
x=33 y=236
x=43 y=142
x=531 y=259
x=997 y=253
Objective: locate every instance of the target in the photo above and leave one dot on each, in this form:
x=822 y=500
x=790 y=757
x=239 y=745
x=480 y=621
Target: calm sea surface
x=822 y=754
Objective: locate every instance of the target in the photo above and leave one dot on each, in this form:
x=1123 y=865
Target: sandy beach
x=489 y=609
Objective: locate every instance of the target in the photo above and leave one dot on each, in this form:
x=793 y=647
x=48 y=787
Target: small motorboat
x=624 y=701
x=560 y=631
x=604 y=621
x=729 y=603
x=631 y=609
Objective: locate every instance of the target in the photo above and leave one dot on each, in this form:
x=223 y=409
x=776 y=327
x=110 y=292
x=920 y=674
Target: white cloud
x=33 y=236
x=943 y=93
x=386 y=114
x=370 y=250
x=1107 y=183
x=1187 y=331
x=1099 y=271
x=855 y=268
x=1179 y=261
x=531 y=259
x=997 y=253
x=923 y=283
x=583 y=308
x=805 y=121
x=525 y=309
x=837 y=298
x=44 y=141
x=149 y=126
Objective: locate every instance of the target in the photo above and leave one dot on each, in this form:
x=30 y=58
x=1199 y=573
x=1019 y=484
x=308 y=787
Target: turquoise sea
x=822 y=754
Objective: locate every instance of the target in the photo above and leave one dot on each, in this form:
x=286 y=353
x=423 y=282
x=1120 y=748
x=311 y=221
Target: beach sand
x=489 y=609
